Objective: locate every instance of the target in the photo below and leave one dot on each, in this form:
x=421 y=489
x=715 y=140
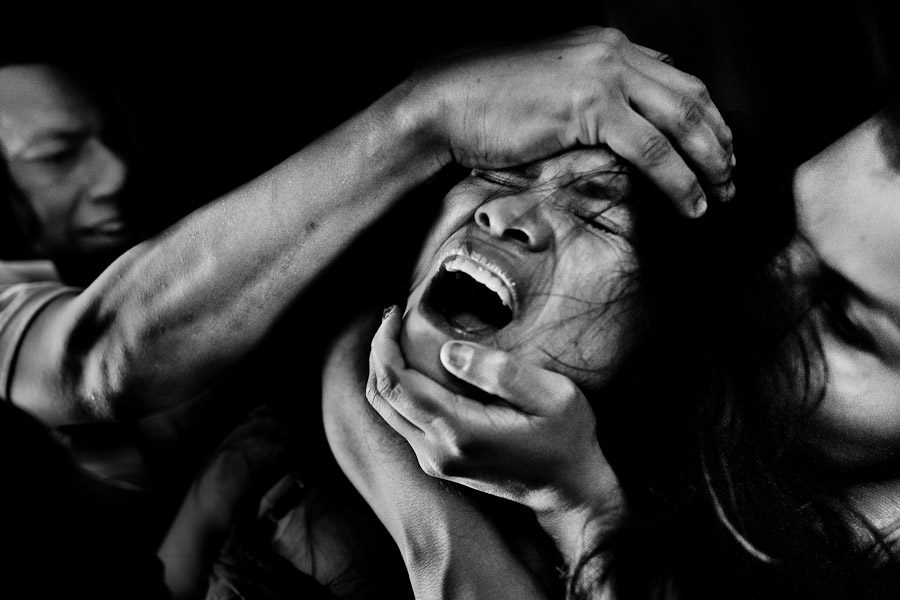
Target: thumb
x=525 y=386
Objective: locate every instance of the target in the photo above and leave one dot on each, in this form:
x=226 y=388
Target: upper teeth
x=482 y=276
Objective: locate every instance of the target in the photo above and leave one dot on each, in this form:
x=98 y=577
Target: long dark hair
x=703 y=424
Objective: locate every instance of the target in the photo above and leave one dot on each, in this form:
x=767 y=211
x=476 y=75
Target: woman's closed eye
x=598 y=223
x=504 y=179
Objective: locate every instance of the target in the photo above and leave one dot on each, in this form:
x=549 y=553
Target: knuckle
x=384 y=384
x=591 y=30
x=612 y=36
x=698 y=89
x=728 y=139
x=448 y=437
x=454 y=445
x=567 y=388
x=508 y=372
x=371 y=389
x=441 y=462
x=380 y=385
x=690 y=114
x=429 y=466
x=721 y=173
x=654 y=149
x=605 y=48
x=371 y=386
x=606 y=58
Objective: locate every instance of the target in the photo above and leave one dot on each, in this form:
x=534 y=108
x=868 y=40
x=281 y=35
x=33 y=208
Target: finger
x=655 y=54
x=686 y=123
x=527 y=387
x=685 y=84
x=384 y=342
x=416 y=398
x=646 y=147
x=381 y=386
x=385 y=360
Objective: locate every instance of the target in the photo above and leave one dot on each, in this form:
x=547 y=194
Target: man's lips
x=111 y=227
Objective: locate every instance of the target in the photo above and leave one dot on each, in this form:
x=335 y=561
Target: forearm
x=170 y=315
x=450 y=548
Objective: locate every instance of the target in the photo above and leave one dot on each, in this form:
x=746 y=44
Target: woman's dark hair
x=702 y=426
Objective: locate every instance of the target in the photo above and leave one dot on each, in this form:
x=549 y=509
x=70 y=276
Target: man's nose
x=519 y=219
x=108 y=171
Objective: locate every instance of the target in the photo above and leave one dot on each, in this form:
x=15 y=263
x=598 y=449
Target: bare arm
x=171 y=314
x=175 y=312
x=451 y=549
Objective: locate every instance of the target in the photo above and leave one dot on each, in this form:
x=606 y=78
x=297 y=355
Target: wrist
x=581 y=523
x=413 y=112
x=452 y=550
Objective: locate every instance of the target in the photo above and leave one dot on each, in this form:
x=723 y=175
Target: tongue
x=467 y=320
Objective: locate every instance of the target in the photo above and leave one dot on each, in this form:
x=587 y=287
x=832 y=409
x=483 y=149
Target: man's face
x=534 y=261
x=848 y=209
x=51 y=136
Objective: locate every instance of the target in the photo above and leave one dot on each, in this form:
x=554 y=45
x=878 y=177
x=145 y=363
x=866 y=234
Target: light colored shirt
x=20 y=303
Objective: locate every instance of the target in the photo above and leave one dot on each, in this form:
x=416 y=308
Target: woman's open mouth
x=471 y=294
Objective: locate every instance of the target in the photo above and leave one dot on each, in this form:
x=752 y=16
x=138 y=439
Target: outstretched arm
x=172 y=314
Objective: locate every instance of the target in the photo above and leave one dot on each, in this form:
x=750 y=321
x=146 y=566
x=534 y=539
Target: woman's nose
x=518 y=219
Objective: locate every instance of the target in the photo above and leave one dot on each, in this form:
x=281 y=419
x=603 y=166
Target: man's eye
x=59 y=157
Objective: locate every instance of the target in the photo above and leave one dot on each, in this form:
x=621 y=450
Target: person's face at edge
x=550 y=242
x=51 y=136
x=848 y=209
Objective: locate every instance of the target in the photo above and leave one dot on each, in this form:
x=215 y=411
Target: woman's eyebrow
x=525 y=173
x=603 y=182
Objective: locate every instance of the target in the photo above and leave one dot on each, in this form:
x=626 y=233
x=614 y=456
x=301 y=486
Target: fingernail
x=733 y=160
x=458 y=355
x=387 y=312
x=700 y=206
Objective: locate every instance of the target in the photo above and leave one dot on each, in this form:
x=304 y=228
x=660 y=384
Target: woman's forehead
x=577 y=162
x=580 y=162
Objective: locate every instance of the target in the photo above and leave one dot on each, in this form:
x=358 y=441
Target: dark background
x=219 y=96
